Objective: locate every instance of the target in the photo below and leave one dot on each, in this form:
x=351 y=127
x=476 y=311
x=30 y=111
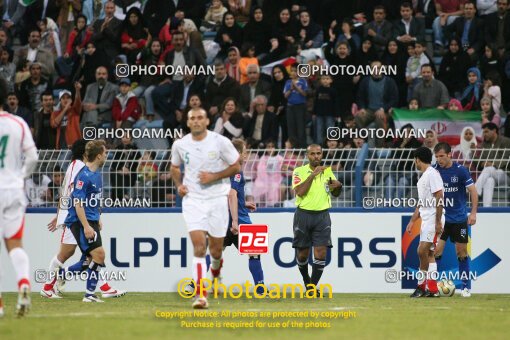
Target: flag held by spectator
x=447 y=124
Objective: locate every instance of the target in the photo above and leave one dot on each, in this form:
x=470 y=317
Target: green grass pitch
x=378 y=316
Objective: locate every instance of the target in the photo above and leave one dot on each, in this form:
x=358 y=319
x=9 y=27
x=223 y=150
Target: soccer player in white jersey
x=430 y=209
x=67 y=241
x=209 y=160
x=15 y=142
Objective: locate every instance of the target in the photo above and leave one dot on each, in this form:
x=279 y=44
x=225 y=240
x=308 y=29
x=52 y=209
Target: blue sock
x=92 y=277
x=207 y=262
x=256 y=271
x=464 y=272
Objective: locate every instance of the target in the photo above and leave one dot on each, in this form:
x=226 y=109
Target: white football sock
x=21 y=263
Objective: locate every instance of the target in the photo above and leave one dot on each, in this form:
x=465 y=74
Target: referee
x=312 y=225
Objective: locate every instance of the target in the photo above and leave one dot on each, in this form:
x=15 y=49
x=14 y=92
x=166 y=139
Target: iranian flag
x=447 y=124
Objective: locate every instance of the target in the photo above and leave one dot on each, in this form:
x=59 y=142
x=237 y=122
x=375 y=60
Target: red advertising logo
x=253 y=239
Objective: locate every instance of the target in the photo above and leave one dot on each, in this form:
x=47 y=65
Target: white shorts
x=428 y=231
x=13 y=203
x=210 y=215
x=67 y=237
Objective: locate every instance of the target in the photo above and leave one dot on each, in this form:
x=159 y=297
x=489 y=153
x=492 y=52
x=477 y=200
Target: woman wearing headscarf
x=430 y=142
x=277 y=101
x=286 y=28
x=134 y=35
x=455 y=105
x=310 y=33
x=453 y=68
x=472 y=94
x=229 y=35
x=394 y=55
x=257 y=32
x=467 y=143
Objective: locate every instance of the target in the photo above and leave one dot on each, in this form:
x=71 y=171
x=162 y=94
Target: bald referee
x=312 y=225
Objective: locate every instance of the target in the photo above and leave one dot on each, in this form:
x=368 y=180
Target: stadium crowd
x=61 y=77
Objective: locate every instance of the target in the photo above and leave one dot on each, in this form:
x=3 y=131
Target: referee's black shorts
x=86 y=246
x=457 y=232
x=311 y=228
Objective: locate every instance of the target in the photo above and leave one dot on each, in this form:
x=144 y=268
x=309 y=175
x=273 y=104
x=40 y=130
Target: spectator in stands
x=402 y=174
x=148 y=82
x=230 y=121
x=69 y=10
x=380 y=31
x=123 y=168
x=291 y=160
x=266 y=187
x=229 y=35
x=36 y=188
x=98 y=101
x=179 y=57
x=430 y=92
x=54 y=187
x=12 y=16
x=492 y=90
x=93 y=10
x=447 y=12
x=192 y=10
x=497 y=29
x=33 y=52
x=395 y=55
x=31 y=89
x=219 y=88
x=66 y=119
x=472 y=94
x=295 y=91
x=310 y=33
x=493 y=164
x=469 y=30
x=241 y=9
x=467 y=145
x=343 y=84
x=181 y=95
x=45 y=135
x=347 y=32
x=491 y=62
x=7 y=68
x=247 y=58
x=425 y=10
x=453 y=68
x=126 y=108
x=430 y=142
x=90 y=61
x=455 y=105
x=50 y=40
x=367 y=53
x=14 y=108
x=488 y=114
x=22 y=73
x=257 y=32
x=214 y=16
x=107 y=32
x=163 y=190
x=254 y=87
x=417 y=58
x=5 y=42
x=78 y=38
x=232 y=64
x=262 y=124
x=324 y=110
x=486 y=7
x=414 y=105
x=277 y=101
x=377 y=94
x=408 y=29
x=147 y=172
x=155 y=13
x=135 y=36
x=286 y=28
